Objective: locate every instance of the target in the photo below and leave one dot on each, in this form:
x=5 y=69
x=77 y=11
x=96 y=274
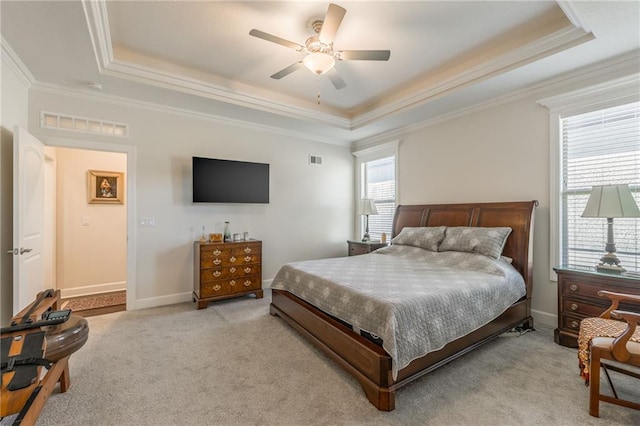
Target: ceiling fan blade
x=288 y=70
x=331 y=23
x=275 y=39
x=364 y=55
x=335 y=78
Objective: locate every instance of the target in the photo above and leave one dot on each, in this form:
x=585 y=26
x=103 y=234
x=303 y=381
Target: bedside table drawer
x=582 y=308
x=572 y=323
x=572 y=286
x=356 y=250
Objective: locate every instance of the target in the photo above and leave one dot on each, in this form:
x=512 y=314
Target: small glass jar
x=227 y=233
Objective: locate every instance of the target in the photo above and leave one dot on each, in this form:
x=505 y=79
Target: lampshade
x=367 y=206
x=611 y=201
x=318 y=62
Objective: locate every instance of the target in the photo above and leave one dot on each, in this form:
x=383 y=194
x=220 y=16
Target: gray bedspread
x=415 y=300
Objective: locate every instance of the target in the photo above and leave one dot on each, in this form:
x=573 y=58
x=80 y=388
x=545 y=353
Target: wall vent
x=52 y=120
x=315 y=159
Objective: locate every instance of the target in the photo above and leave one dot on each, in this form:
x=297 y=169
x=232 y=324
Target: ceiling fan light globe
x=318 y=62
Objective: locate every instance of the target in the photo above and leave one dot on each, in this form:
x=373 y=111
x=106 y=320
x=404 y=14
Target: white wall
x=310 y=214
x=498 y=154
x=14 y=108
x=92 y=238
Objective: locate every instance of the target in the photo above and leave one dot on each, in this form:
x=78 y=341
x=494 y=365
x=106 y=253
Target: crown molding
x=12 y=60
x=562 y=39
x=569 y=9
x=615 y=92
x=607 y=73
x=95 y=13
x=197 y=87
x=98 y=25
x=150 y=106
x=560 y=34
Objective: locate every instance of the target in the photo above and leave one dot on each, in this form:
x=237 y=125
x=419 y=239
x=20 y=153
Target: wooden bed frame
x=369 y=363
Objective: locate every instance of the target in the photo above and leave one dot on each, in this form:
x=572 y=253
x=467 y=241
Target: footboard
x=365 y=361
x=369 y=363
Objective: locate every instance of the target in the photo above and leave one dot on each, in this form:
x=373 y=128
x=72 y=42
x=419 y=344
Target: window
x=594 y=138
x=598 y=148
x=376 y=179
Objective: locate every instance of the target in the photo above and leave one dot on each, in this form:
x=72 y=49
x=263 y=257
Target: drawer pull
x=217 y=252
x=232 y=269
x=217 y=261
x=216 y=287
x=247 y=258
x=574 y=307
x=232 y=282
x=573 y=287
x=247 y=270
x=217 y=274
x=247 y=283
x=232 y=259
x=247 y=250
x=574 y=324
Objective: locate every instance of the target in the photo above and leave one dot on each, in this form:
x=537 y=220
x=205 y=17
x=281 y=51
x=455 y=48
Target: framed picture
x=105 y=187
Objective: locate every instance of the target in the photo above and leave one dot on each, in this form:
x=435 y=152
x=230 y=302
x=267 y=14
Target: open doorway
x=87 y=205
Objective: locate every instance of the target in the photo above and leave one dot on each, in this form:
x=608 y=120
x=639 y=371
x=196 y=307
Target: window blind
x=599 y=148
x=379 y=178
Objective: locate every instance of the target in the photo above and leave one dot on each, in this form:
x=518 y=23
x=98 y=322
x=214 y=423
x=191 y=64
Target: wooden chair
x=619 y=349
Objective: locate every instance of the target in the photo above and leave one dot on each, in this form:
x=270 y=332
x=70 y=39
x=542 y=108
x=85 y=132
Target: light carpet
x=234 y=364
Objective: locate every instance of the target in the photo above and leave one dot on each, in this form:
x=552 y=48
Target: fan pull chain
x=318 y=98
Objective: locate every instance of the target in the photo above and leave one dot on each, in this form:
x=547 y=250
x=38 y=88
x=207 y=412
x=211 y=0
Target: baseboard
x=544 y=318
x=92 y=289
x=154 y=302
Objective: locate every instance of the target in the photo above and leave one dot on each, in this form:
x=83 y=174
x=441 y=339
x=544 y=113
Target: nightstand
x=364 y=247
x=578 y=298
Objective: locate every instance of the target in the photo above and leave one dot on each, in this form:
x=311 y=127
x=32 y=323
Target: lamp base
x=366 y=238
x=610 y=269
x=610 y=263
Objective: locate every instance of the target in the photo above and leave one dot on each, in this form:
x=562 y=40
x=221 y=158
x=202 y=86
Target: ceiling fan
x=321 y=56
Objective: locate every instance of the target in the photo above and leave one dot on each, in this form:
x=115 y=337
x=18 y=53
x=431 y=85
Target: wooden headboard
x=516 y=215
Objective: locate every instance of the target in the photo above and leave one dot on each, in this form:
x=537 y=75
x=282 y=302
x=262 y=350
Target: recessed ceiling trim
x=95 y=13
x=182 y=83
x=150 y=106
x=572 y=14
x=466 y=74
x=616 y=71
x=11 y=59
x=560 y=35
x=98 y=25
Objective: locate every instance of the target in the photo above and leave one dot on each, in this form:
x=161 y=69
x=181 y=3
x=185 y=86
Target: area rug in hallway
x=96 y=304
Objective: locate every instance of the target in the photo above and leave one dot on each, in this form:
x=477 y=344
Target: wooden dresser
x=224 y=270
x=578 y=298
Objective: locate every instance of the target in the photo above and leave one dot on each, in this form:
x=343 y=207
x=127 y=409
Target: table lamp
x=366 y=207
x=611 y=201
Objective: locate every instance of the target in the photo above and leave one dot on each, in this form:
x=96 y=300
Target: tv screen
x=227 y=181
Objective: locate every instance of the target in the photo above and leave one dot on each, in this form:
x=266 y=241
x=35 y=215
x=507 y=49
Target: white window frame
x=388 y=149
x=617 y=92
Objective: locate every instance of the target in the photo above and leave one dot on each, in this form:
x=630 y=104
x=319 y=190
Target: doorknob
x=12 y=251
x=24 y=250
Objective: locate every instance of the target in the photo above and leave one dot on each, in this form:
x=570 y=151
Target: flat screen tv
x=227 y=181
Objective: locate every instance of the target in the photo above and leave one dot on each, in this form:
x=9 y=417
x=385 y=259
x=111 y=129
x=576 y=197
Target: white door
x=28 y=218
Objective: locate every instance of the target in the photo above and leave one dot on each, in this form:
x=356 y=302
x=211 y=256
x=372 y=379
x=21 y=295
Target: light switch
x=86 y=220
x=146 y=222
